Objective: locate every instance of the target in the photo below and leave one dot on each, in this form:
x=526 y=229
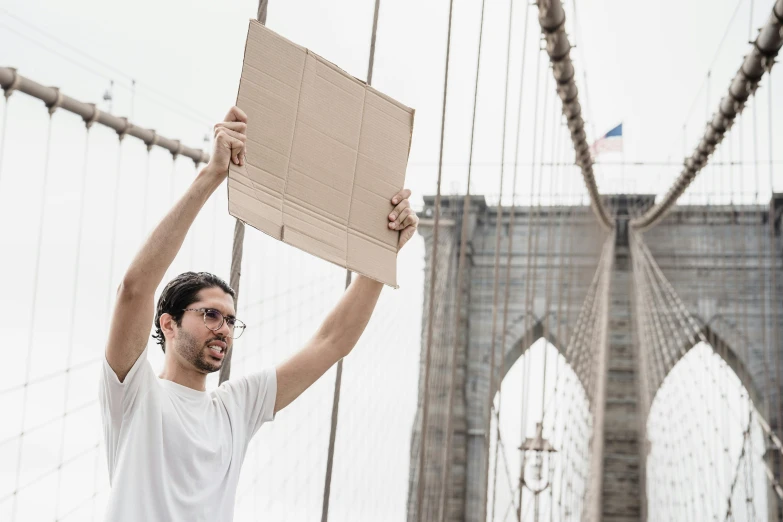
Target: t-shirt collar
x=183 y=391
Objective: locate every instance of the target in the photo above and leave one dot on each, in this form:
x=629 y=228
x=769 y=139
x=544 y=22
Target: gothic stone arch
x=699 y=249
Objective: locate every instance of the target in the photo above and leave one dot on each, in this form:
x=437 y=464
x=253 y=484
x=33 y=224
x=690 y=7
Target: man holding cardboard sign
x=174 y=450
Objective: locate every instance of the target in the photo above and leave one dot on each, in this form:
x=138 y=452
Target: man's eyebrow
x=221 y=313
x=228 y=316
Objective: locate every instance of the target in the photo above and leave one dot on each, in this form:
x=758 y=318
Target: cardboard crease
x=320 y=169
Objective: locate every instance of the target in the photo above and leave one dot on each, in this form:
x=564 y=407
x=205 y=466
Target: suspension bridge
x=556 y=351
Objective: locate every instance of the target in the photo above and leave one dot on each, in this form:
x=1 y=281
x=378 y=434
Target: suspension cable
x=74 y=292
x=34 y=304
x=3 y=128
x=446 y=467
x=528 y=280
x=433 y=261
x=512 y=214
x=565 y=339
x=773 y=264
x=10 y=79
x=554 y=201
x=759 y=60
x=338 y=378
x=552 y=20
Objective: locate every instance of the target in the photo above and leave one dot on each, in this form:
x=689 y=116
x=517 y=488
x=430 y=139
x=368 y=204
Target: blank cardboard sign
x=325 y=155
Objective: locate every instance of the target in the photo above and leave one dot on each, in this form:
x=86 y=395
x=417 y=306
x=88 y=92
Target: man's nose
x=224 y=331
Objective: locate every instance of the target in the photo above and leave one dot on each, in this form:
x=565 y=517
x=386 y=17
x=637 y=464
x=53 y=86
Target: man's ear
x=167 y=325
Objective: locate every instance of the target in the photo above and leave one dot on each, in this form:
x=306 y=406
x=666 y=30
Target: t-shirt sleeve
x=119 y=399
x=253 y=398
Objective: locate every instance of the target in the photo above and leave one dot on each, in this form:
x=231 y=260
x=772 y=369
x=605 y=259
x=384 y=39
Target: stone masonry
x=714 y=256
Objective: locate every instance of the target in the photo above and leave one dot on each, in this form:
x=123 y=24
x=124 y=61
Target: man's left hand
x=403 y=218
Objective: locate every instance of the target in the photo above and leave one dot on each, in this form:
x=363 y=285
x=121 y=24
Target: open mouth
x=217 y=350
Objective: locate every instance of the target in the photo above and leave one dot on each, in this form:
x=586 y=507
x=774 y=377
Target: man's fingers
x=395 y=214
x=233 y=134
x=230 y=137
x=234 y=130
x=405 y=235
x=400 y=196
x=240 y=156
x=411 y=220
x=399 y=222
x=236 y=126
x=235 y=146
x=236 y=114
x=410 y=230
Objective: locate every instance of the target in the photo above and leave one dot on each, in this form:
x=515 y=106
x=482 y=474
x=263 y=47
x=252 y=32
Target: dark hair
x=181 y=292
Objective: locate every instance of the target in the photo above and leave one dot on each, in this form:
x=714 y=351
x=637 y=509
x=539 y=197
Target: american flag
x=612 y=141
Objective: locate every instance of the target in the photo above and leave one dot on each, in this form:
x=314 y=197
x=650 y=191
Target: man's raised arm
x=133 y=311
x=344 y=325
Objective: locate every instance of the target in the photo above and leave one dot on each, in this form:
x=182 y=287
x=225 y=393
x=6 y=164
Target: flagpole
x=622 y=171
x=609 y=143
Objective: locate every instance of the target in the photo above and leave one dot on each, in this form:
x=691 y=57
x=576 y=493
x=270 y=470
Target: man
x=174 y=450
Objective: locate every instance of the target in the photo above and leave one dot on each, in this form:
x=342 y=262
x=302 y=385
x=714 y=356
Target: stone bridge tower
x=715 y=258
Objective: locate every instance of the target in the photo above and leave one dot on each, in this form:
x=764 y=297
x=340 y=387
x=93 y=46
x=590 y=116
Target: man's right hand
x=133 y=310
x=229 y=143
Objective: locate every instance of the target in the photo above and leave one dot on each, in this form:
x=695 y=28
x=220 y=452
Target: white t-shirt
x=175 y=453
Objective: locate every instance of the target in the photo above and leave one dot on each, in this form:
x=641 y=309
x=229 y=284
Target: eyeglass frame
x=223 y=321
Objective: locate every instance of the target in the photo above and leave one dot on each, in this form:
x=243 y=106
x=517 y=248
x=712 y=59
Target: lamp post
x=542 y=452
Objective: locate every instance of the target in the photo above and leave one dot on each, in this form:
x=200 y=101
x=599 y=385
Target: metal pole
x=238 y=246
x=338 y=381
x=11 y=81
x=236 y=271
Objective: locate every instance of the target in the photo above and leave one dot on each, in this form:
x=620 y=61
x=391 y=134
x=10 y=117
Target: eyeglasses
x=214 y=320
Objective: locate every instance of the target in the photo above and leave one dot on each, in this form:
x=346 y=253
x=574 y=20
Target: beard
x=189 y=349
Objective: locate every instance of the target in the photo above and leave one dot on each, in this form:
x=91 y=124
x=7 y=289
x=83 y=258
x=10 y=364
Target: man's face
x=196 y=344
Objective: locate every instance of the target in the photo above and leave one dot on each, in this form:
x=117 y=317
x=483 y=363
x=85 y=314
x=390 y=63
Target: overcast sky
x=645 y=64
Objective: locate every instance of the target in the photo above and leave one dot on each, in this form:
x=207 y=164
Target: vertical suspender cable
x=239 y=240
x=445 y=475
x=115 y=218
x=761 y=262
x=72 y=322
x=338 y=379
x=3 y=128
x=527 y=312
x=545 y=317
x=34 y=302
x=511 y=217
x=773 y=262
x=433 y=261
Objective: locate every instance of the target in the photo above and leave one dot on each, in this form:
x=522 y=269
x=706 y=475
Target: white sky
x=645 y=63
x=646 y=66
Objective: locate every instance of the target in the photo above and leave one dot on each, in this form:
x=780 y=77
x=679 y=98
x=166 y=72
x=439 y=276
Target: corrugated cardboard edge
x=387 y=98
